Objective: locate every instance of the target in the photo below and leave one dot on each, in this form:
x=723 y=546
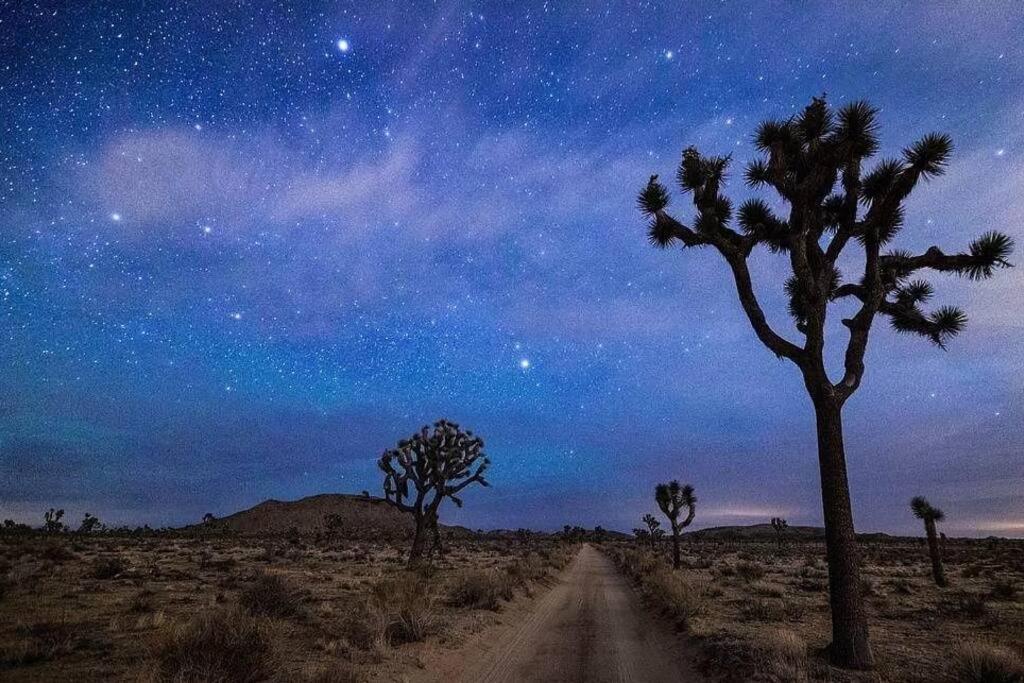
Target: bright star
x=343 y=45
x=236 y=316
x=116 y=217
x=669 y=54
x=1000 y=152
x=525 y=364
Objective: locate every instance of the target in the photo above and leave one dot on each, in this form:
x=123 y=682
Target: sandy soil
x=589 y=627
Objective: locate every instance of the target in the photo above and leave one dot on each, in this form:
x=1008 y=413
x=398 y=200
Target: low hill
x=765 y=531
x=344 y=515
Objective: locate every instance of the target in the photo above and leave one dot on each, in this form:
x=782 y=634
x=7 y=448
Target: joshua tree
x=51 y=521
x=208 y=518
x=672 y=498
x=924 y=510
x=815 y=162
x=654 y=530
x=780 y=525
x=90 y=523
x=425 y=469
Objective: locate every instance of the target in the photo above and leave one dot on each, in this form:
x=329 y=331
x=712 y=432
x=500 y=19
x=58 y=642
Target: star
x=236 y=316
x=1000 y=152
x=524 y=363
x=116 y=217
x=669 y=55
x=343 y=45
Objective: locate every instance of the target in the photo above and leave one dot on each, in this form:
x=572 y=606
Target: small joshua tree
x=90 y=523
x=923 y=510
x=425 y=469
x=51 y=521
x=654 y=530
x=209 y=519
x=672 y=498
x=780 y=525
x=815 y=163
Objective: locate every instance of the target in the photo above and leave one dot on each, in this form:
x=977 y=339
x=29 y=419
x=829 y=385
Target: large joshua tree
x=815 y=162
x=431 y=465
x=923 y=510
x=672 y=498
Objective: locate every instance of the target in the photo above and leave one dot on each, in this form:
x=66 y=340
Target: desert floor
x=176 y=607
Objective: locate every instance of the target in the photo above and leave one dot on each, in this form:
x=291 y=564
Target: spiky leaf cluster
x=672 y=498
x=817 y=164
x=437 y=462
x=924 y=510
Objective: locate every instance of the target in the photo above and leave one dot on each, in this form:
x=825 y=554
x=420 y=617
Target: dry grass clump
x=982 y=663
x=109 y=568
x=403 y=610
x=478 y=589
x=40 y=642
x=229 y=646
x=783 y=657
x=681 y=600
x=270 y=595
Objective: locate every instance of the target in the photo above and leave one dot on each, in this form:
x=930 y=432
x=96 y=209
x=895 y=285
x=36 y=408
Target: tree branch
x=744 y=288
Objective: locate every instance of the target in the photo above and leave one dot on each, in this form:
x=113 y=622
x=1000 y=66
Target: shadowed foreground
x=589 y=627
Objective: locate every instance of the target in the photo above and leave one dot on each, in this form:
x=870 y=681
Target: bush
x=679 y=599
x=108 y=568
x=783 y=656
x=270 y=595
x=1003 y=589
x=225 y=646
x=980 y=663
x=403 y=609
x=749 y=572
x=478 y=589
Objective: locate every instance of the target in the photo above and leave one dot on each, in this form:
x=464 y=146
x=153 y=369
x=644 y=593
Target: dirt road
x=589 y=628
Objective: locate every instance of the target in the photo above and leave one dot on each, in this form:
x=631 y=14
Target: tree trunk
x=418 y=540
x=933 y=549
x=675 y=548
x=850 y=647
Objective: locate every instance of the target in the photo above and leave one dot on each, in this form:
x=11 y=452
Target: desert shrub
x=403 y=609
x=1003 y=589
x=982 y=663
x=141 y=602
x=55 y=552
x=771 y=610
x=681 y=600
x=966 y=606
x=901 y=586
x=108 y=567
x=749 y=571
x=477 y=589
x=971 y=571
x=810 y=585
x=226 y=646
x=40 y=642
x=783 y=657
x=270 y=595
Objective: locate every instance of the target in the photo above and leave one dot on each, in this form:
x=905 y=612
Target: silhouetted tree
x=654 y=528
x=208 y=518
x=90 y=523
x=814 y=161
x=51 y=521
x=672 y=498
x=427 y=468
x=780 y=525
x=643 y=536
x=923 y=510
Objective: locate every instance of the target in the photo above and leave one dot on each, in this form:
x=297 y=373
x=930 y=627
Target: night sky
x=244 y=249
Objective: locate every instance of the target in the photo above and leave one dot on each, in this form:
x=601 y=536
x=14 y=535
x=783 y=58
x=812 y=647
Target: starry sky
x=245 y=247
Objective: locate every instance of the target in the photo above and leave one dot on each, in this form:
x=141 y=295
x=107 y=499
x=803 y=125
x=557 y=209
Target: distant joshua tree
x=209 y=519
x=425 y=469
x=923 y=510
x=654 y=530
x=780 y=525
x=90 y=523
x=672 y=498
x=51 y=521
x=815 y=162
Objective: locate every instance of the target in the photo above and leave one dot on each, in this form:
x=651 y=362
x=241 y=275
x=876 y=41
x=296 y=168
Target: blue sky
x=237 y=262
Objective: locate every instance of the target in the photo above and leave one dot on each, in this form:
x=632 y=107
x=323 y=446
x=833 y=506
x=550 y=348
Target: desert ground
x=184 y=606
